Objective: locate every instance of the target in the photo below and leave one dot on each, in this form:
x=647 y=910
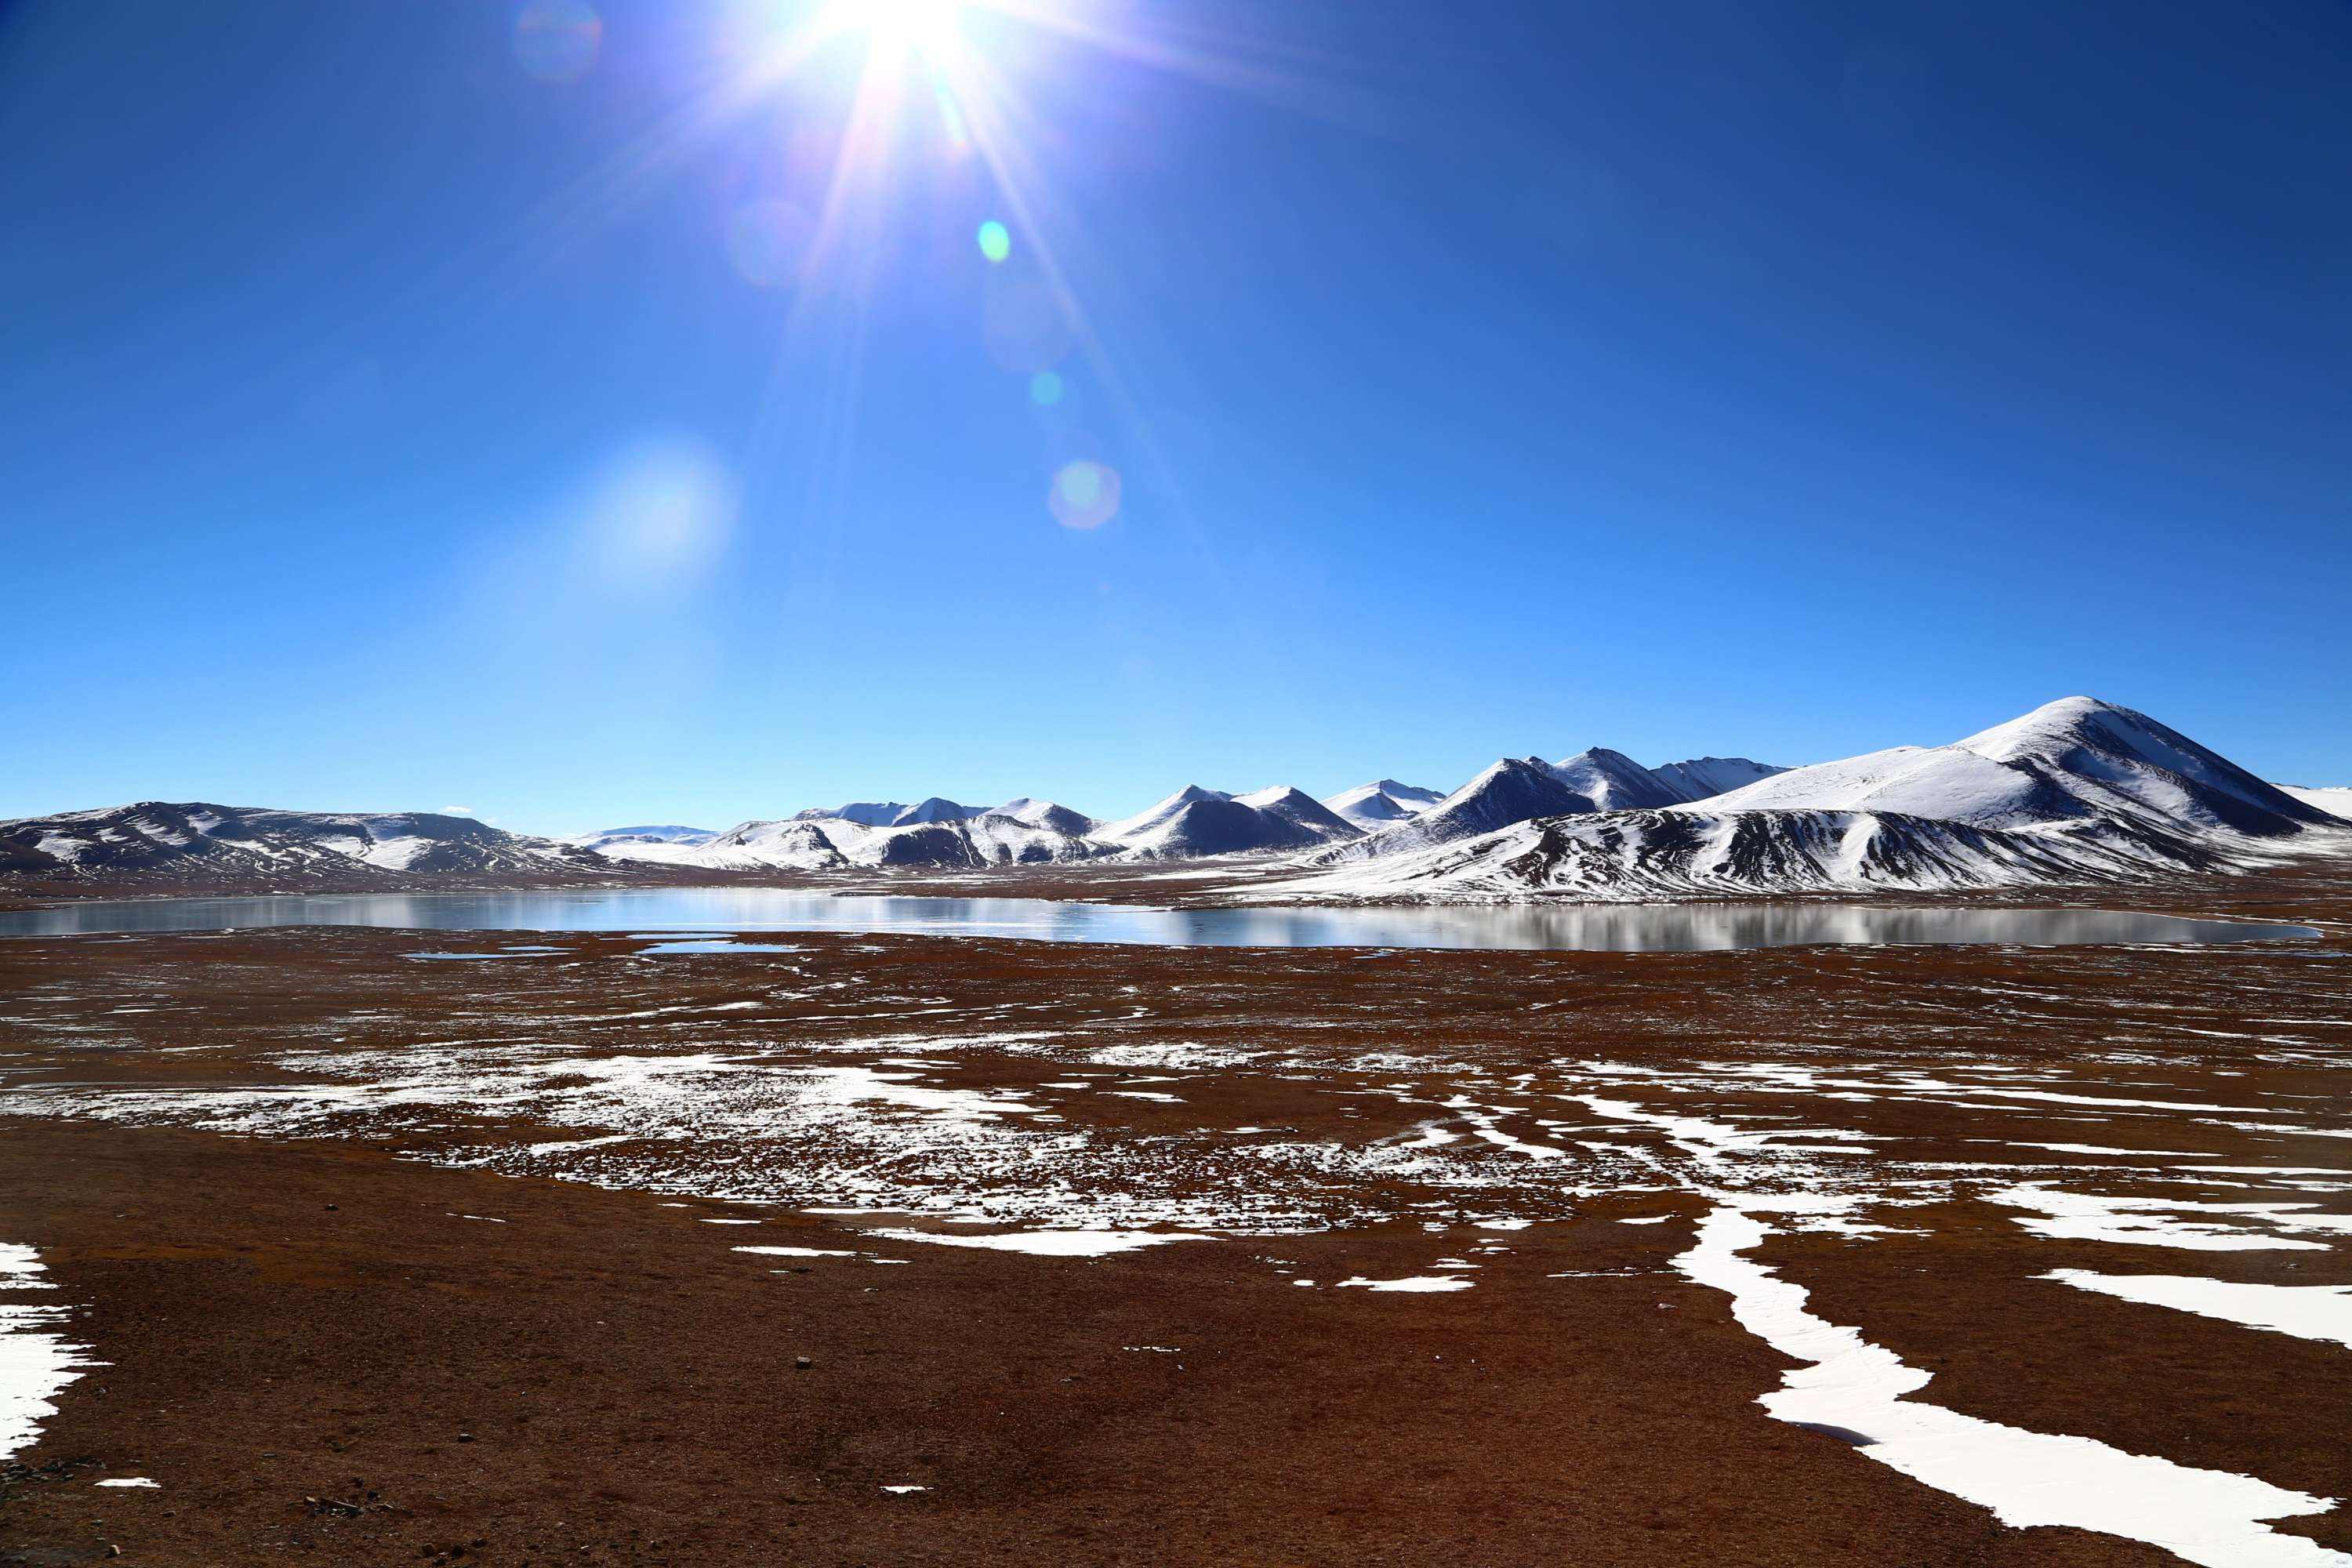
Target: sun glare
x=919 y=25
x=911 y=104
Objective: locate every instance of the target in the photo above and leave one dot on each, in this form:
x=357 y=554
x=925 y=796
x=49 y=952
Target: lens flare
x=932 y=104
x=659 y=515
x=556 y=40
x=1085 y=495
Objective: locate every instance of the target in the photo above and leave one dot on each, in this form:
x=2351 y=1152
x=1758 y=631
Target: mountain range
x=158 y=842
x=2078 y=790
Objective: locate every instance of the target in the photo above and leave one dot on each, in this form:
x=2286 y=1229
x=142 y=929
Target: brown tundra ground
x=587 y=1253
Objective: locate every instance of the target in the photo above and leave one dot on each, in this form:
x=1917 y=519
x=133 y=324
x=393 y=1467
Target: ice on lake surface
x=1618 y=928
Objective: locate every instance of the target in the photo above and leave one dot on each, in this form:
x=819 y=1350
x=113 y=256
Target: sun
x=920 y=25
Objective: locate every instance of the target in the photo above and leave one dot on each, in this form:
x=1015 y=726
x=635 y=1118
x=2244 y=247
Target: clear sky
x=630 y=415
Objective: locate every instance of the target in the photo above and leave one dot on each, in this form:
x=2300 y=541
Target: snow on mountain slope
x=1039 y=812
x=1700 y=778
x=1633 y=855
x=2075 y=759
x=163 y=841
x=1517 y=789
x=1302 y=811
x=935 y=809
x=1196 y=822
x=792 y=845
x=838 y=844
x=863 y=813
x=2074 y=791
x=1149 y=827
x=988 y=840
x=1521 y=789
x=2335 y=800
x=1375 y=805
x=602 y=839
x=1612 y=781
x=1941 y=782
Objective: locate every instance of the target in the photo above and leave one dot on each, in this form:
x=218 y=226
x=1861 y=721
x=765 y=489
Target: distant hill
x=166 y=842
x=671 y=834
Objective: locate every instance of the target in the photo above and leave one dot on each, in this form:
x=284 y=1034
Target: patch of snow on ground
x=2306 y=1312
x=2208 y=1517
x=1049 y=1243
x=34 y=1362
x=2155 y=1222
x=1416 y=1284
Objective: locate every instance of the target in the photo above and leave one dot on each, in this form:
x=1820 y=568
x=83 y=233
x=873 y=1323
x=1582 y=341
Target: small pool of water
x=1619 y=928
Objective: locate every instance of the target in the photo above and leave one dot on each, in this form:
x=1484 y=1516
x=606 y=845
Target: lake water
x=1624 y=927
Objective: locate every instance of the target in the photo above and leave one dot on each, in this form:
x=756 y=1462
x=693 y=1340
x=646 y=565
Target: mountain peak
x=1614 y=782
x=2077 y=760
x=863 y=813
x=1380 y=804
x=936 y=808
x=1703 y=778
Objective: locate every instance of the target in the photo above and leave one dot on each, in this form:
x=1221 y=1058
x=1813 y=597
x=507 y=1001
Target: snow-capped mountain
x=795 y=844
x=1039 y=812
x=2335 y=800
x=1195 y=822
x=988 y=840
x=839 y=844
x=935 y=809
x=1381 y=803
x=1701 y=778
x=160 y=841
x=2077 y=791
x=893 y=813
x=1632 y=856
x=863 y=813
x=660 y=834
x=1522 y=789
x=1517 y=789
x=2075 y=759
x=1147 y=827
x=1612 y=781
x=1287 y=804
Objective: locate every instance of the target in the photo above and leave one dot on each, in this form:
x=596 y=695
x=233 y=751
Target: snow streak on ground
x=1855 y=1387
x=36 y=1361
x=927 y=1124
x=2308 y=1311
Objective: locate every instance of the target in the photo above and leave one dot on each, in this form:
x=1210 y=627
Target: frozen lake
x=1623 y=928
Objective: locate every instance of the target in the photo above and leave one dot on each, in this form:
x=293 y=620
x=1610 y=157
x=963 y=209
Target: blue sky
x=406 y=409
